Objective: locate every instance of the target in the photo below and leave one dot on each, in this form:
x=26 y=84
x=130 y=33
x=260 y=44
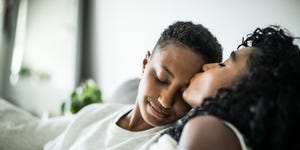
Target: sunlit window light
x=18 y=50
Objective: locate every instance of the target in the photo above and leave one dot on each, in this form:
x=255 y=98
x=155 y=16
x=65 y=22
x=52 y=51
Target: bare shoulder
x=208 y=132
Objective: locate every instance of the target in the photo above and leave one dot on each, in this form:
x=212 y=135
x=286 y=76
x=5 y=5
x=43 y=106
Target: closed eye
x=164 y=82
x=222 y=65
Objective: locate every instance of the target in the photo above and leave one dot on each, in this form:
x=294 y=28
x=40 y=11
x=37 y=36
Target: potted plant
x=87 y=93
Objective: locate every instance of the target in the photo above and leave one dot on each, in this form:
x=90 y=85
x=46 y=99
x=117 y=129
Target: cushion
x=126 y=93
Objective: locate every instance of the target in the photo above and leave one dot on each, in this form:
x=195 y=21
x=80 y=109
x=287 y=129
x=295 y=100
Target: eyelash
x=222 y=65
x=162 y=82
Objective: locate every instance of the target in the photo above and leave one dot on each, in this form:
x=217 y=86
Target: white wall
x=128 y=28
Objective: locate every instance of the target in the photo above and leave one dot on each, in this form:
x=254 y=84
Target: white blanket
x=19 y=130
x=165 y=142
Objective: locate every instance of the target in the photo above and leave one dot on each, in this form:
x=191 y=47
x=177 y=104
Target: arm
x=208 y=132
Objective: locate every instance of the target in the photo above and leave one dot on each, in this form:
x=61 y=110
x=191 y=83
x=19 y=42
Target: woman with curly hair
x=251 y=101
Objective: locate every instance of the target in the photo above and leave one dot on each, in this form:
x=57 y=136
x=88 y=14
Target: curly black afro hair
x=265 y=105
x=193 y=36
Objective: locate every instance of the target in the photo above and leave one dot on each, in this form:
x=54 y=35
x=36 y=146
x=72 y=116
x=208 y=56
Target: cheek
x=181 y=108
x=193 y=95
x=225 y=81
x=201 y=87
x=215 y=83
x=147 y=88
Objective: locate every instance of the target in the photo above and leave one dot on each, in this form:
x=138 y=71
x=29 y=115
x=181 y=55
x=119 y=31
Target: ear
x=146 y=60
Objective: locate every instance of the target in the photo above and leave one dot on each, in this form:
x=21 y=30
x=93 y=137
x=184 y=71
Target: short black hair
x=194 y=36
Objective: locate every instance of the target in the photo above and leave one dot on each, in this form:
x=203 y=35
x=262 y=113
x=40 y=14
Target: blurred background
x=48 y=47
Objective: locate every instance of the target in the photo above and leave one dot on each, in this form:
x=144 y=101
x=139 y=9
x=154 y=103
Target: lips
x=158 y=113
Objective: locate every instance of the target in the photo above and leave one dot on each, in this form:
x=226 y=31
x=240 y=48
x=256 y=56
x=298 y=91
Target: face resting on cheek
x=216 y=76
x=165 y=77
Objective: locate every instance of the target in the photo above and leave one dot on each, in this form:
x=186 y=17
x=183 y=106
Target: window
x=43 y=65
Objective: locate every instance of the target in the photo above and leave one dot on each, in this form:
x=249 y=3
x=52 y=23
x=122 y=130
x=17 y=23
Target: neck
x=133 y=121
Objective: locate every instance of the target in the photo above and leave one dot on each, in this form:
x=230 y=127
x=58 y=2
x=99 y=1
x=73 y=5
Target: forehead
x=240 y=57
x=244 y=53
x=181 y=61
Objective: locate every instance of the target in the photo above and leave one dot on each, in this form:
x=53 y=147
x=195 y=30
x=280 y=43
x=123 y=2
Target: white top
x=95 y=128
x=166 y=142
x=238 y=135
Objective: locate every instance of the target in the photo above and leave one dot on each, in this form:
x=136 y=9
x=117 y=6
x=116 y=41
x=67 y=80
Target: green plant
x=87 y=93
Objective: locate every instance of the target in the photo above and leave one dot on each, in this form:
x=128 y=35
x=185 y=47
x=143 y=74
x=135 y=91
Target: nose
x=167 y=98
x=209 y=66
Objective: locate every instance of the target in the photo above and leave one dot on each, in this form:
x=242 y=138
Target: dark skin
x=165 y=76
x=209 y=132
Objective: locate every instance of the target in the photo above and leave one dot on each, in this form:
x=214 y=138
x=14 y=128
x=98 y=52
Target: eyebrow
x=233 y=55
x=168 y=71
